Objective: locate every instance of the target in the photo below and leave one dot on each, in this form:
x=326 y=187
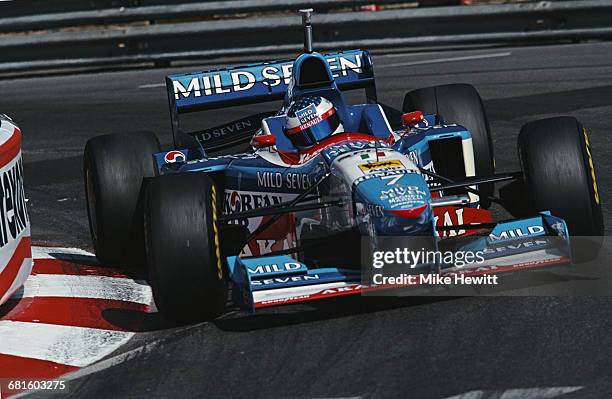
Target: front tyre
x=186 y=270
x=560 y=177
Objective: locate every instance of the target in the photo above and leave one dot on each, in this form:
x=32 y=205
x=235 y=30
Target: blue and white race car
x=283 y=223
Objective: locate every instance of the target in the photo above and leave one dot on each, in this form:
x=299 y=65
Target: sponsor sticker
x=292 y=181
x=366 y=156
x=14 y=219
x=285 y=280
x=175 y=156
x=369 y=209
x=279 y=236
x=403 y=196
x=240 y=201
x=351 y=146
x=531 y=244
x=391 y=176
x=393 y=163
x=307 y=114
x=240 y=80
x=448 y=216
x=517 y=233
x=243 y=125
x=277 y=268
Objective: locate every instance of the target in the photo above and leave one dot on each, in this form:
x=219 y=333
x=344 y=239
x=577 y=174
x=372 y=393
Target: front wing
x=513 y=246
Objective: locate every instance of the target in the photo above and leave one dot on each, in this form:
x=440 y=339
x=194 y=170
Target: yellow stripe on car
x=593 y=178
x=216 y=232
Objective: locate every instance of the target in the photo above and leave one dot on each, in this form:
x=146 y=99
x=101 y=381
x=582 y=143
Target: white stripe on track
x=441 y=60
x=519 y=393
x=152 y=85
x=47 y=252
x=73 y=346
x=93 y=287
x=123 y=357
x=112 y=361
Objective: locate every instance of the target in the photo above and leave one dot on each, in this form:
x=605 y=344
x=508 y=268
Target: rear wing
x=250 y=84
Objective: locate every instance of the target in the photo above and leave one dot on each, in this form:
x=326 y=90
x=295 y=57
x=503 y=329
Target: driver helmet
x=310 y=120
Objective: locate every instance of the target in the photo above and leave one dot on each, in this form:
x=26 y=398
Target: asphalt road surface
x=408 y=348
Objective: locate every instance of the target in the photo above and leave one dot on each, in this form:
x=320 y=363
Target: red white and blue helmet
x=310 y=120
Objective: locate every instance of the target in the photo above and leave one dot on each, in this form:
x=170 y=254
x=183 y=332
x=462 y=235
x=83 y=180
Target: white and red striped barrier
x=15 y=240
x=59 y=310
x=70 y=313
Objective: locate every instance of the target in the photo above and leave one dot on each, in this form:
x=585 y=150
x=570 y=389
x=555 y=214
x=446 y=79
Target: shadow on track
x=136 y=320
x=325 y=310
x=9 y=305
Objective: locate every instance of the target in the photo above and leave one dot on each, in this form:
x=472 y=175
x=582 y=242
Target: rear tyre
x=560 y=177
x=114 y=167
x=460 y=104
x=186 y=270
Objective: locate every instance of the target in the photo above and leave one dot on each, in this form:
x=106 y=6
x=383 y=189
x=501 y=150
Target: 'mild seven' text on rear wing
x=256 y=83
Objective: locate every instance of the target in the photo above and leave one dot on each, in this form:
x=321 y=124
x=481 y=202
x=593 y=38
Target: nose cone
x=397 y=204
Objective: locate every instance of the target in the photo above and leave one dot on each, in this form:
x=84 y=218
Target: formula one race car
x=284 y=223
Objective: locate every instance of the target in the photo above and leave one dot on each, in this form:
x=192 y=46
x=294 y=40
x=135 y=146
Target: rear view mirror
x=412 y=118
x=263 y=141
